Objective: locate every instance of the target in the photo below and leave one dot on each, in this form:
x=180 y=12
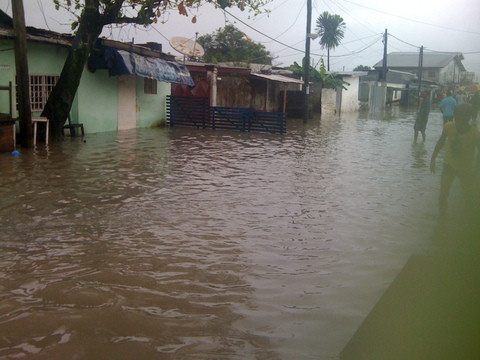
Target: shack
x=239 y=86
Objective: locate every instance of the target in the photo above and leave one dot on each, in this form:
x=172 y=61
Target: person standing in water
x=447 y=106
x=461 y=139
x=422 y=115
x=475 y=102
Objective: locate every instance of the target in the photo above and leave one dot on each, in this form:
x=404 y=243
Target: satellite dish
x=187 y=47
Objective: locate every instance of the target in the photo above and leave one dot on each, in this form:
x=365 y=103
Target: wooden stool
x=35 y=121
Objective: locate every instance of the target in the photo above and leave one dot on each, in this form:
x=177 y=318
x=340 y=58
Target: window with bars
x=149 y=86
x=40 y=88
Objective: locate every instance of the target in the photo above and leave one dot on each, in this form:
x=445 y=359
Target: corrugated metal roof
x=410 y=59
x=279 y=78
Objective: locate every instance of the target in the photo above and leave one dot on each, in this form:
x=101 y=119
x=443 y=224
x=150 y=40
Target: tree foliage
x=93 y=15
x=362 y=68
x=328 y=80
x=230 y=44
x=298 y=70
x=145 y=12
x=331 y=29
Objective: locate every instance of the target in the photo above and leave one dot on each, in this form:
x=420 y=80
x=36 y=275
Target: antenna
x=187 y=47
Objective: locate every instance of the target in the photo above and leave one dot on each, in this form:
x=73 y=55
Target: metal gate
x=195 y=111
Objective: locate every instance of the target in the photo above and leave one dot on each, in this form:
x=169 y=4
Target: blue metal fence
x=188 y=111
x=195 y=111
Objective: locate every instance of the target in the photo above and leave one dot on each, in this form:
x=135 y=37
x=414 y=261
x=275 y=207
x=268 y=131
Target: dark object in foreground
x=431 y=309
x=72 y=127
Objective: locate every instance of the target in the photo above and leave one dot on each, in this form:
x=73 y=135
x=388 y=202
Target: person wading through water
x=461 y=139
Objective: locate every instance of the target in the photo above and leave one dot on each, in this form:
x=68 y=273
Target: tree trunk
x=21 y=66
x=328 y=58
x=60 y=100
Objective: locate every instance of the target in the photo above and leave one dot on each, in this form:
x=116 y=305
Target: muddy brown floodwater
x=194 y=244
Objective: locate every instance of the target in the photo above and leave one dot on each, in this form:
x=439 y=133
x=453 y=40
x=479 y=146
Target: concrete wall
x=329 y=101
x=378 y=98
x=342 y=100
x=350 y=101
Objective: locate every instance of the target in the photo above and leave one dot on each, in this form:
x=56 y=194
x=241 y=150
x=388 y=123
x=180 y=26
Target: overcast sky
x=438 y=25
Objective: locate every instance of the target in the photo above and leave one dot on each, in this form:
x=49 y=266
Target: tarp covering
x=162 y=70
x=120 y=62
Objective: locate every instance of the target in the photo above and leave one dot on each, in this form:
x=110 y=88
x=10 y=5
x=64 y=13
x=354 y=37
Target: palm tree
x=331 y=29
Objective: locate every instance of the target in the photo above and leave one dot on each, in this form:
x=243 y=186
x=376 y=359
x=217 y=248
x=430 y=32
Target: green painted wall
x=7 y=71
x=96 y=102
x=43 y=59
x=151 y=108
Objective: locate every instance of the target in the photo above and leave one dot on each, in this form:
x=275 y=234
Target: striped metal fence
x=195 y=111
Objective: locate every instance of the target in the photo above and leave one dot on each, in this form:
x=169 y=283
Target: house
x=124 y=85
x=398 y=86
x=248 y=86
x=443 y=68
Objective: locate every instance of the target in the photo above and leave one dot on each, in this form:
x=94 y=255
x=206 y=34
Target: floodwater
x=179 y=243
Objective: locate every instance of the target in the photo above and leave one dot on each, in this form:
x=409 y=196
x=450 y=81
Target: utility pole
x=420 y=72
x=384 y=62
x=306 y=63
x=21 y=65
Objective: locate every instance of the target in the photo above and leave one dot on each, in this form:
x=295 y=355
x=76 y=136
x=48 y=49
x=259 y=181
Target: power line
x=301 y=51
x=415 y=46
x=261 y=33
x=40 y=6
x=294 y=22
x=358 y=51
x=437 y=51
x=412 y=20
x=362 y=23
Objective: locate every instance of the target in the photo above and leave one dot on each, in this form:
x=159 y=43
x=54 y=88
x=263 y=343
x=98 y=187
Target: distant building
x=442 y=68
x=398 y=83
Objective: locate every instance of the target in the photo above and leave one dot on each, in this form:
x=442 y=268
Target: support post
x=306 y=63
x=212 y=76
x=21 y=65
x=420 y=73
x=384 y=62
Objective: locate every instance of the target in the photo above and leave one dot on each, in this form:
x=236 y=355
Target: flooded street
x=178 y=243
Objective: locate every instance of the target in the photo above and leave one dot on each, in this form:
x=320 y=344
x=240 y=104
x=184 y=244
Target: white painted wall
x=350 y=101
x=329 y=99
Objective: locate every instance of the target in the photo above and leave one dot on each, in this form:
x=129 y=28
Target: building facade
x=104 y=102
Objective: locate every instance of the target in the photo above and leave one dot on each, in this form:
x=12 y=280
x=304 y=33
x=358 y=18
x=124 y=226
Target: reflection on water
x=181 y=243
x=420 y=155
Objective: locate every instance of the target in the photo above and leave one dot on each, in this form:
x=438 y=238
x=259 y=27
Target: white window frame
x=40 y=88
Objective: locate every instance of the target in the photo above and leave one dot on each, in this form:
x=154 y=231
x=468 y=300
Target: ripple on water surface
x=173 y=243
